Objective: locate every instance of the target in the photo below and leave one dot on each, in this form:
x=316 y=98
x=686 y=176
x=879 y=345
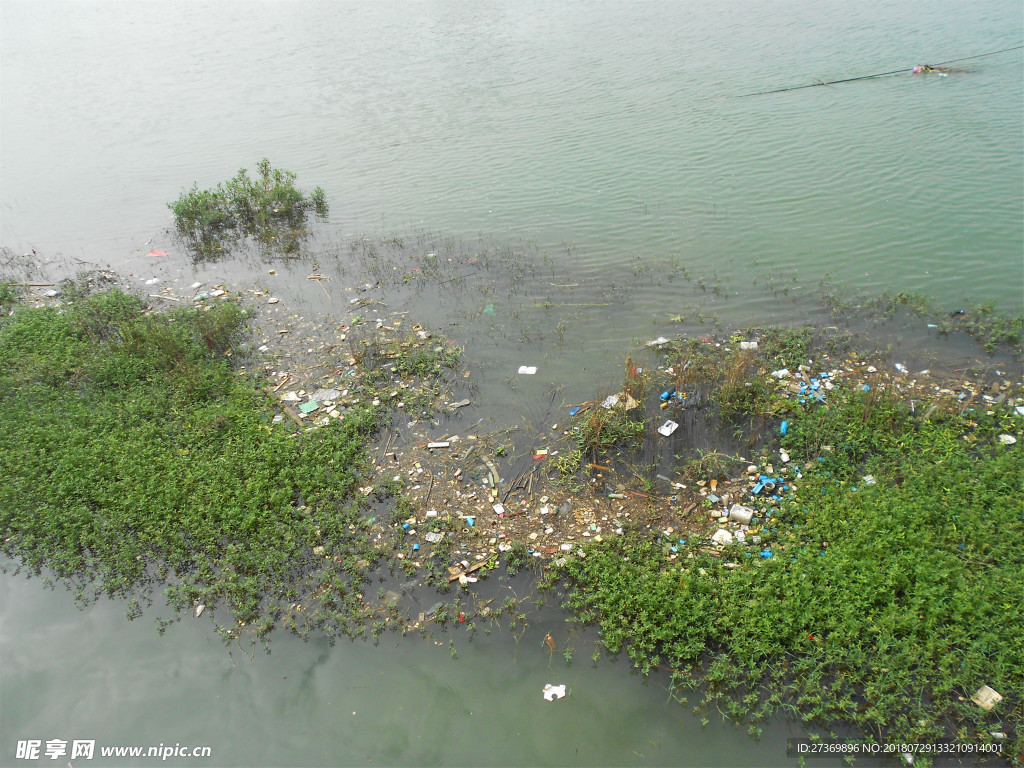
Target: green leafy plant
x=135 y=458
x=268 y=208
x=884 y=605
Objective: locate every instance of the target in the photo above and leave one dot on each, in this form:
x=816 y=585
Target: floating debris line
x=918 y=69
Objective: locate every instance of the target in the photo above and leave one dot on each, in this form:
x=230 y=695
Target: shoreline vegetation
x=871 y=575
x=856 y=562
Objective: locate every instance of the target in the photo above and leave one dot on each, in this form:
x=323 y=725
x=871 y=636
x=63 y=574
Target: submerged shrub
x=269 y=209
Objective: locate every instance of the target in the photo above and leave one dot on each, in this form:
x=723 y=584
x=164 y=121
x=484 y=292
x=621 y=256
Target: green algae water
x=613 y=137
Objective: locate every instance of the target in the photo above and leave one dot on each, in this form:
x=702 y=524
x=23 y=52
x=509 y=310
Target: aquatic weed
x=884 y=606
x=135 y=459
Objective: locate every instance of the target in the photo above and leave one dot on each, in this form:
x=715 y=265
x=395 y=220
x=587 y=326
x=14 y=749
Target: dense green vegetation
x=269 y=209
x=882 y=604
x=134 y=457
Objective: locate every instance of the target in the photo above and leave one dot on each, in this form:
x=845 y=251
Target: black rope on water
x=879 y=74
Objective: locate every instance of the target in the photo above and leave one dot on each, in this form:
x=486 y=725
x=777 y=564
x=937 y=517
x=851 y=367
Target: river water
x=608 y=141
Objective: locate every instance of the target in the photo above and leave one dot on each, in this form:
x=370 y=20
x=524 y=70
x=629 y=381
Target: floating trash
x=552 y=692
x=610 y=402
x=748 y=345
x=668 y=428
x=658 y=342
x=527 y=370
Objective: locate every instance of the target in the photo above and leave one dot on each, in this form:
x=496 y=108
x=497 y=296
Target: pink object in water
x=918 y=70
x=157 y=253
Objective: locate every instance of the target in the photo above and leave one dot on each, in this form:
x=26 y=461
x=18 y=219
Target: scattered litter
x=552 y=692
x=157 y=253
x=1020 y=410
x=901 y=368
x=748 y=345
x=434 y=537
x=218 y=293
x=784 y=456
x=499 y=510
x=423 y=334
x=784 y=428
x=199 y=610
x=610 y=402
x=1007 y=439
x=439 y=444
x=986 y=698
x=527 y=370
x=742 y=515
x=668 y=428
x=51 y=293
x=460 y=404
x=309 y=407
x=722 y=536
x=272 y=300
x=290 y=397
x=325 y=395
x=153 y=281
x=782 y=373
x=658 y=342
x=196 y=285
